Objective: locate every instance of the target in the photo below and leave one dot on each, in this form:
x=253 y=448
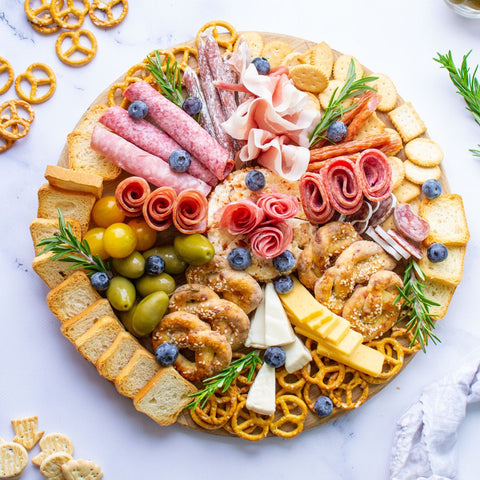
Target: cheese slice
x=278 y=330
x=256 y=334
x=351 y=341
x=261 y=396
x=297 y=355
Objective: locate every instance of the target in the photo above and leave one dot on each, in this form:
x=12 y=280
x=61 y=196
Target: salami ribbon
x=314 y=198
x=158 y=208
x=278 y=206
x=271 y=239
x=241 y=217
x=131 y=194
x=374 y=174
x=190 y=212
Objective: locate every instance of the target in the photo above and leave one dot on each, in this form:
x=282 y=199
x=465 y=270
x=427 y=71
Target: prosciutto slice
x=314 y=198
x=190 y=212
x=158 y=208
x=278 y=206
x=131 y=194
x=374 y=174
x=241 y=217
x=271 y=239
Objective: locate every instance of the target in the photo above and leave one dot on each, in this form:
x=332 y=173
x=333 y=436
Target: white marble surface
x=41 y=373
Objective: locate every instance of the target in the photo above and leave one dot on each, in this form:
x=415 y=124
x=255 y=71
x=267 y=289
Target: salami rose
x=241 y=217
x=314 y=198
x=271 y=239
x=374 y=174
x=278 y=206
x=131 y=194
x=190 y=212
x=158 y=208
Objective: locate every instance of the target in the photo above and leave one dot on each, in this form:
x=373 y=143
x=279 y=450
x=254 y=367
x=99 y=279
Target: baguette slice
x=117 y=356
x=441 y=294
x=90 y=119
x=79 y=324
x=98 y=338
x=138 y=371
x=71 y=297
x=164 y=396
x=41 y=228
x=52 y=272
x=74 y=181
x=449 y=271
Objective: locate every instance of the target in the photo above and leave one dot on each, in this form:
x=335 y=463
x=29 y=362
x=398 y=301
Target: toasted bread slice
x=41 y=228
x=116 y=357
x=79 y=324
x=71 y=297
x=439 y=293
x=74 y=181
x=449 y=271
x=98 y=338
x=164 y=396
x=90 y=119
x=52 y=272
x=138 y=371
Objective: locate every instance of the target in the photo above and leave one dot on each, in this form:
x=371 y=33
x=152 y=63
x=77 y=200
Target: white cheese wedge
x=261 y=396
x=297 y=355
x=278 y=330
x=256 y=334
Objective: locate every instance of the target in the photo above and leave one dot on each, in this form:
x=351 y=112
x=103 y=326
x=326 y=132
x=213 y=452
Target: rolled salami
x=158 y=208
x=131 y=194
x=314 y=198
x=271 y=239
x=374 y=174
x=190 y=212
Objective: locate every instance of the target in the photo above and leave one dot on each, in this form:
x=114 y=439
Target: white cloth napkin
x=425 y=436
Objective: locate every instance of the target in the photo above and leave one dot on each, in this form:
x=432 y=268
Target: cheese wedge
x=256 y=334
x=261 y=396
x=346 y=347
x=278 y=330
x=297 y=355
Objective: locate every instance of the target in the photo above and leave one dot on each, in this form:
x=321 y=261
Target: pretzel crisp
x=218 y=409
x=13 y=126
x=107 y=8
x=62 y=14
x=88 y=52
x=290 y=423
x=224 y=40
x=5 y=66
x=35 y=82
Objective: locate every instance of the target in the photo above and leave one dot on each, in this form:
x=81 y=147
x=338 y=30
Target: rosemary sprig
x=224 y=379
x=416 y=306
x=68 y=248
x=335 y=110
x=169 y=81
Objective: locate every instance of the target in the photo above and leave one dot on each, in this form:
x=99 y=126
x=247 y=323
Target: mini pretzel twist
x=185 y=52
x=62 y=15
x=115 y=93
x=294 y=386
x=46 y=29
x=41 y=15
x=242 y=382
x=249 y=425
x=224 y=40
x=107 y=8
x=5 y=66
x=405 y=337
x=5 y=144
x=35 y=82
x=394 y=356
x=352 y=392
x=282 y=427
x=138 y=71
x=13 y=126
x=88 y=52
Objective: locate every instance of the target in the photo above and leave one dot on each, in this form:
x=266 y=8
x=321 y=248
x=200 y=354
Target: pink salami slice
x=183 y=129
x=374 y=174
x=241 y=217
x=158 y=209
x=140 y=163
x=410 y=248
x=131 y=194
x=314 y=198
x=409 y=223
x=190 y=212
x=271 y=239
x=278 y=206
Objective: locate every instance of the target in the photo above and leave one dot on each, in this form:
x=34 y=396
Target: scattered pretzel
x=62 y=15
x=393 y=362
x=222 y=39
x=35 y=82
x=282 y=427
x=88 y=52
x=46 y=29
x=218 y=409
x=249 y=425
x=13 y=126
x=107 y=8
x=6 y=67
x=5 y=144
x=41 y=15
x=352 y=392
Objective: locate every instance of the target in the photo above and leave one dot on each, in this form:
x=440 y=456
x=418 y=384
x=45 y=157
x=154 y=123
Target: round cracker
x=340 y=67
x=424 y=152
x=254 y=41
x=295 y=58
x=420 y=175
x=387 y=91
x=13 y=459
x=309 y=78
x=398 y=171
x=324 y=97
x=322 y=57
x=275 y=51
x=52 y=465
x=313 y=101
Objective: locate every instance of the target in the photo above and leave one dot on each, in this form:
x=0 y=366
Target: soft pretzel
x=237 y=286
x=371 y=310
x=223 y=316
x=356 y=264
x=185 y=330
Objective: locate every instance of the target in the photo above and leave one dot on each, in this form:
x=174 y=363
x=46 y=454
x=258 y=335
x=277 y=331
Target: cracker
x=81 y=470
x=309 y=78
x=321 y=56
x=275 y=51
x=407 y=121
x=295 y=58
x=52 y=443
x=406 y=191
x=26 y=431
x=325 y=96
x=340 y=67
x=313 y=101
x=254 y=41
x=398 y=171
x=420 y=175
x=51 y=466
x=372 y=126
x=13 y=460
x=387 y=91
x=424 y=152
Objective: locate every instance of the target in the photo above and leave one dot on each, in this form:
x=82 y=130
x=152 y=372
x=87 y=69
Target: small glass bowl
x=465 y=8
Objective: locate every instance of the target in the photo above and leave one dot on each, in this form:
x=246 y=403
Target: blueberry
x=274 y=357
x=192 y=106
x=337 y=131
x=284 y=262
x=138 y=110
x=239 y=258
x=432 y=188
x=179 y=161
x=283 y=284
x=154 y=265
x=100 y=281
x=437 y=252
x=255 y=180
x=262 y=65
x=166 y=353
x=323 y=406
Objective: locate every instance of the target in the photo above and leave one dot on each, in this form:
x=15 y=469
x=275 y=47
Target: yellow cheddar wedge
x=346 y=346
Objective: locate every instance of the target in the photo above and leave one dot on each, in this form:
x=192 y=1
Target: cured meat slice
x=395 y=245
x=342 y=186
x=369 y=105
x=138 y=162
x=314 y=198
x=241 y=217
x=360 y=219
x=131 y=194
x=383 y=210
x=190 y=212
x=151 y=139
x=412 y=249
x=278 y=206
x=158 y=208
x=374 y=174
x=409 y=223
x=388 y=248
x=183 y=129
x=271 y=239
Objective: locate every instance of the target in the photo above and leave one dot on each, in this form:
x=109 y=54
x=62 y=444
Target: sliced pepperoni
x=278 y=206
x=270 y=239
x=241 y=217
x=374 y=174
x=131 y=194
x=410 y=248
x=190 y=212
x=409 y=223
x=314 y=198
x=158 y=209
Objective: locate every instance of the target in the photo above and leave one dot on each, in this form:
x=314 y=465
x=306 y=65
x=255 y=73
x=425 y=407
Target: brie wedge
x=297 y=355
x=256 y=334
x=261 y=396
x=278 y=330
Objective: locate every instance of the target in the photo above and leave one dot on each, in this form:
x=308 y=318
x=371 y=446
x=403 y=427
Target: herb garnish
x=224 y=379
x=416 y=306
x=68 y=248
x=335 y=110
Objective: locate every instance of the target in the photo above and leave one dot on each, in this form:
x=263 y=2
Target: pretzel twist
x=405 y=337
x=12 y=125
x=226 y=40
x=289 y=424
x=41 y=15
x=87 y=52
x=36 y=82
x=394 y=356
x=107 y=8
x=5 y=66
x=292 y=386
x=352 y=393
x=249 y=425
x=61 y=15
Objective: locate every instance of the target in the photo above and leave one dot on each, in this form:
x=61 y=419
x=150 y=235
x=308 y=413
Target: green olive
x=121 y=294
x=173 y=263
x=126 y=318
x=132 y=266
x=195 y=249
x=155 y=283
x=149 y=312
